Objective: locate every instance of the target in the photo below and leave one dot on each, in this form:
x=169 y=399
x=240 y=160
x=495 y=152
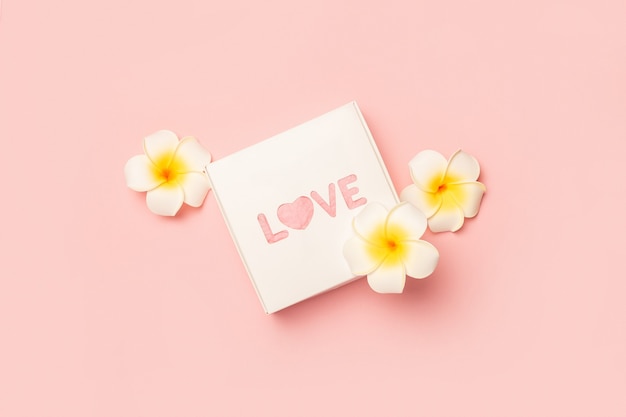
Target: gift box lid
x=289 y=201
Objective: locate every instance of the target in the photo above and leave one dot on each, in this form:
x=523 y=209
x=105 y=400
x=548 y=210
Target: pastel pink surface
x=109 y=310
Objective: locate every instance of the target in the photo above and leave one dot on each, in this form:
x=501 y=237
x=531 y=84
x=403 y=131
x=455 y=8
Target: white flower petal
x=407 y=220
x=193 y=155
x=462 y=167
x=388 y=278
x=428 y=203
x=371 y=218
x=360 y=256
x=165 y=200
x=427 y=170
x=195 y=187
x=160 y=143
x=449 y=217
x=139 y=173
x=421 y=258
x=468 y=196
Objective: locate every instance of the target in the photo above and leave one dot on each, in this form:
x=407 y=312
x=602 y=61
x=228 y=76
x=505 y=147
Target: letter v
x=331 y=206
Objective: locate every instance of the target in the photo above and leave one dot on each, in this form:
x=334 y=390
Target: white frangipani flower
x=445 y=191
x=386 y=247
x=171 y=171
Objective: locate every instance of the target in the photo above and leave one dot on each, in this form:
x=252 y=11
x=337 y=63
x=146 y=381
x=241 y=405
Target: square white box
x=277 y=199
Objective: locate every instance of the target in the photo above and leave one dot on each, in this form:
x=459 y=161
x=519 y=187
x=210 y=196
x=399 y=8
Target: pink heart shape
x=296 y=215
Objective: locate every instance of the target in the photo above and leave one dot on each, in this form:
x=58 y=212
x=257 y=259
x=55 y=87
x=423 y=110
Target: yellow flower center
x=447 y=189
x=167 y=168
x=165 y=173
x=388 y=244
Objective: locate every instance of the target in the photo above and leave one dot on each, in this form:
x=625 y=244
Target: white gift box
x=289 y=202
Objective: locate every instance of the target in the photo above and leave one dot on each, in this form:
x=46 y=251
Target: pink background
x=109 y=310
